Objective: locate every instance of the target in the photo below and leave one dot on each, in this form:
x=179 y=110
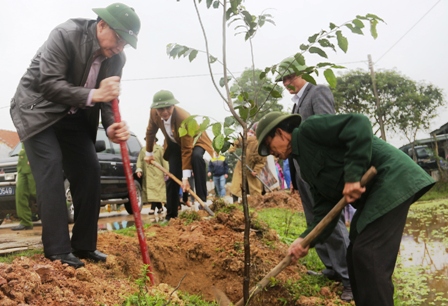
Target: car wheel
x=69 y=201
x=138 y=191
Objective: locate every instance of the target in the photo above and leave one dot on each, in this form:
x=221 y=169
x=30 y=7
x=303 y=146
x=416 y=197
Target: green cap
x=268 y=123
x=287 y=67
x=123 y=20
x=163 y=98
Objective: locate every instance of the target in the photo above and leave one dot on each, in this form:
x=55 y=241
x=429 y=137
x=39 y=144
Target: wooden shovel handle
x=335 y=211
x=174 y=178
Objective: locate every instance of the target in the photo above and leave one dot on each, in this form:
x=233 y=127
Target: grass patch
x=8 y=258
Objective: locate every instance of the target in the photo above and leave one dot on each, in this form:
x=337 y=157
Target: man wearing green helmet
x=56 y=111
x=333 y=152
x=311 y=100
x=183 y=155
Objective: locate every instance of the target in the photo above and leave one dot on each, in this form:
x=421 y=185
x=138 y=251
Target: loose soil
x=192 y=258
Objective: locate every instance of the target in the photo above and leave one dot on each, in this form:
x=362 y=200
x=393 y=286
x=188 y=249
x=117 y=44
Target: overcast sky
x=413 y=41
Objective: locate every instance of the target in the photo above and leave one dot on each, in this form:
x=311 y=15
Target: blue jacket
x=218 y=166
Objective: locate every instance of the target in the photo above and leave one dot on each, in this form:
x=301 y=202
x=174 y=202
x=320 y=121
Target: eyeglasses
x=120 y=41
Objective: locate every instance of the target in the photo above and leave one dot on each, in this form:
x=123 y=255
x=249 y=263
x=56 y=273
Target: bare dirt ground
x=194 y=257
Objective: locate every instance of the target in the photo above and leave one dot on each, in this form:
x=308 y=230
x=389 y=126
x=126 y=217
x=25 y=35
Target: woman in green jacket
x=333 y=152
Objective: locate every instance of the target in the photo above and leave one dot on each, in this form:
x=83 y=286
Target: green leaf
x=332 y=26
x=300 y=59
x=342 y=41
x=216 y=128
x=262 y=75
x=183 y=51
x=229 y=121
x=209 y=3
x=375 y=17
x=222 y=82
x=204 y=124
x=276 y=94
x=373 y=31
x=303 y=47
x=182 y=131
x=330 y=77
x=318 y=51
x=308 y=78
x=226 y=146
x=212 y=59
x=247 y=17
x=244 y=112
x=354 y=29
x=312 y=39
x=358 y=23
x=326 y=44
x=193 y=55
x=192 y=127
x=216 y=4
x=228 y=131
x=218 y=142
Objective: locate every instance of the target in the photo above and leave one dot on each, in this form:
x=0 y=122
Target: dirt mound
x=280 y=199
x=195 y=257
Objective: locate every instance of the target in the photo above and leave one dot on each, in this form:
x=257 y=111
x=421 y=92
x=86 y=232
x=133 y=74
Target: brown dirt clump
x=196 y=257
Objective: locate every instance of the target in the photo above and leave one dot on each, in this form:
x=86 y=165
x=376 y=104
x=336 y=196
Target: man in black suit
x=311 y=100
x=56 y=111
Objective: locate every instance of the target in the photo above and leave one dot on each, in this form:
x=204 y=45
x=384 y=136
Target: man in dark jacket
x=311 y=100
x=56 y=109
x=333 y=152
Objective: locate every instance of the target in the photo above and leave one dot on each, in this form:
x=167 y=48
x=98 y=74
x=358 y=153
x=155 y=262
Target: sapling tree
x=238 y=100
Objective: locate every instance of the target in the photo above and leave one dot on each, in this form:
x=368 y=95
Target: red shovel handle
x=133 y=197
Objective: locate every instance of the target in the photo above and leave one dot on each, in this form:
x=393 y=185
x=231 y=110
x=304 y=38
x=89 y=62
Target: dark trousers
x=175 y=164
x=333 y=251
x=65 y=150
x=372 y=254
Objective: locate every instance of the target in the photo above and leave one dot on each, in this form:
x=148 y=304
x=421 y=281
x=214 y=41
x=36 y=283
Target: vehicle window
x=16 y=150
x=101 y=135
x=423 y=152
x=134 y=146
x=116 y=148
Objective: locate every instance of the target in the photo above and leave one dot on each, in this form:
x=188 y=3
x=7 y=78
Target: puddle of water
x=424 y=245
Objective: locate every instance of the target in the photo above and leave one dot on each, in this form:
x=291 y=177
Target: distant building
x=8 y=141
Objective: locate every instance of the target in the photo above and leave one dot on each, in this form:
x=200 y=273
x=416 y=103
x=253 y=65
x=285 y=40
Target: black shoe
x=21 y=227
x=95 y=256
x=68 y=258
x=347 y=294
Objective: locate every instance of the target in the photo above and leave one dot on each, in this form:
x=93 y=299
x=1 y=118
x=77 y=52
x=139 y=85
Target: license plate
x=6 y=191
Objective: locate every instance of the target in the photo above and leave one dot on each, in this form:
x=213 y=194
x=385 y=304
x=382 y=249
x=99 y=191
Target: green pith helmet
x=123 y=20
x=163 y=98
x=287 y=67
x=268 y=123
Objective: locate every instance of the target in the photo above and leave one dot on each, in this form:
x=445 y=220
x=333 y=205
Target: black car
x=113 y=181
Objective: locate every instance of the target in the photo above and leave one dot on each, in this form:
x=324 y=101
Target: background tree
x=406 y=106
x=255 y=89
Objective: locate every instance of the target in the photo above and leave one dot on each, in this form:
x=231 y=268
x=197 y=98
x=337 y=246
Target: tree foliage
x=252 y=93
x=406 y=106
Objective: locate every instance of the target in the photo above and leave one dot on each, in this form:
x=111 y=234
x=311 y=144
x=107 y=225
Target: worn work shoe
x=21 y=227
x=347 y=294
